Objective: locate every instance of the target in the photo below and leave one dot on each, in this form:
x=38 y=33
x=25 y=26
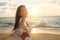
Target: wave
x=41 y=22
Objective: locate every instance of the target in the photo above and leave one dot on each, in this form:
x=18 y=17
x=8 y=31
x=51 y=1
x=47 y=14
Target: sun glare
x=33 y=11
x=34 y=31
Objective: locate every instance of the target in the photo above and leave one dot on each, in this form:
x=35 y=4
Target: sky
x=35 y=7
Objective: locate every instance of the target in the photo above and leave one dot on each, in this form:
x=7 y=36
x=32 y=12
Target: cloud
x=53 y=1
x=3 y=3
x=57 y=2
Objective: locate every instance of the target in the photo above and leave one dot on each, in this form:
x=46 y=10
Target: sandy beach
x=39 y=36
x=45 y=36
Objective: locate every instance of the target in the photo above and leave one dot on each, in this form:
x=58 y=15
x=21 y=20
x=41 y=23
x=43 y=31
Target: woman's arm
x=27 y=24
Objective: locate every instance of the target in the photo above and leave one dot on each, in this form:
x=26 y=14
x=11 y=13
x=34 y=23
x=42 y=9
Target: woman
x=21 y=29
x=21 y=24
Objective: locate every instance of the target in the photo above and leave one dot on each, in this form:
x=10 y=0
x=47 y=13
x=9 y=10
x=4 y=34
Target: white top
x=23 y=27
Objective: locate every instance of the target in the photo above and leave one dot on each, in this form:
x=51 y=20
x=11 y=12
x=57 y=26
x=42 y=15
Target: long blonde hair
x=17 y=17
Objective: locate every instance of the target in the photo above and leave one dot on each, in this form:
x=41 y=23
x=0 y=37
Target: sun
x=33 y=11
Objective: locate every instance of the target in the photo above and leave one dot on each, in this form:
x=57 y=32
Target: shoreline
x=38 y=36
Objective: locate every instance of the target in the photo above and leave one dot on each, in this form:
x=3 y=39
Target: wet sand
x=45 y=36
x=39 y=36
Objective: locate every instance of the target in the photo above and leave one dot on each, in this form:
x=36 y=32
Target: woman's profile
x=21 y=30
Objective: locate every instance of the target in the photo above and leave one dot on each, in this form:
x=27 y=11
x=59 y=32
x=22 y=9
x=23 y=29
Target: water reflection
x=45 y=30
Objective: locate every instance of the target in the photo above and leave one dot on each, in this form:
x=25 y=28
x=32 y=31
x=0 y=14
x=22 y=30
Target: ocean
x=43 y=24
